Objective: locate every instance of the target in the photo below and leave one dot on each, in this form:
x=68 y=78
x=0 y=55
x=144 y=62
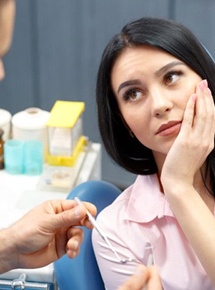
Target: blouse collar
x=146 y=201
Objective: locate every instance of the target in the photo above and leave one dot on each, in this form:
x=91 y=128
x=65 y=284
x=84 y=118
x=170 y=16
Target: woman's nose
x=161 y=103
x=2 y=71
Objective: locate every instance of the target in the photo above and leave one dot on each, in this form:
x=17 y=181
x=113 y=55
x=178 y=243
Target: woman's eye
x=133 y=95
x=172 y=77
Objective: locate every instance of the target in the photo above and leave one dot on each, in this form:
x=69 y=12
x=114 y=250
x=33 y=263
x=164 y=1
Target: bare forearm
x=6 y=252
x=198 y=224
x=7 y=18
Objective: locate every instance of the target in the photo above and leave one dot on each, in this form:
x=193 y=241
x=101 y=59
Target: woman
x=156 y=115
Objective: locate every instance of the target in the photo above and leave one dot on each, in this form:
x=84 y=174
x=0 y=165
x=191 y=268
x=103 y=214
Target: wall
x=58 y=44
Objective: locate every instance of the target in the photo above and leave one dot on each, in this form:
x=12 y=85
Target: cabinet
x=18 y=194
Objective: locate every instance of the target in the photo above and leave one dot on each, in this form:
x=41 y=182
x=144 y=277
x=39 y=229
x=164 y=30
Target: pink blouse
x=139 y=217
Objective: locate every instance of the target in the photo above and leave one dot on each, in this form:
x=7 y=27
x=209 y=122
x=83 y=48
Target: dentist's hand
x=46 y=233
x=144 y=278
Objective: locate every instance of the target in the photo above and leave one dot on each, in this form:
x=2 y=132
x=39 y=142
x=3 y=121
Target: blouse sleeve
x=113 y=272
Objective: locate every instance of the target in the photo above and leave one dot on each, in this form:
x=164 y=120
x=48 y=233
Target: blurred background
x=57 y=47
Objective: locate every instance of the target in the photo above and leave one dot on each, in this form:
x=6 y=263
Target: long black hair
x=171 y=37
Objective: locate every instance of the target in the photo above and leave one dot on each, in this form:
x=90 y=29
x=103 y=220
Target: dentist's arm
x=44 y=234
x=7 y=18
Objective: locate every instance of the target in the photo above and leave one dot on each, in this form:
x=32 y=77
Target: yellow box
x=65 y=133
x=68 y=160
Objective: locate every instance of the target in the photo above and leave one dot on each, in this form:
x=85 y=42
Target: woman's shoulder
x=120 y=204
x=137 y=193
x=117 y=207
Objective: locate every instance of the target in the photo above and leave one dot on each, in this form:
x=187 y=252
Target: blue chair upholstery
x=82 y=273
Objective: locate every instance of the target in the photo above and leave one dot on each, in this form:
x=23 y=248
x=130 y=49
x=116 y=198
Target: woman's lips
x=169 y=129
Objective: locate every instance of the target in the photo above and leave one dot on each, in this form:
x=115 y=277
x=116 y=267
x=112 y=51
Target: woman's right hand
x=193 y=143
x=144 y=278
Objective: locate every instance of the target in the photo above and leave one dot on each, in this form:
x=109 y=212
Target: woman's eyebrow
x=158 y=73
x=128 y=83
x=167 y=67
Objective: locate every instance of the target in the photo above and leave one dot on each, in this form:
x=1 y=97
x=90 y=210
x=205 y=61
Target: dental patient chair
x=82 y=273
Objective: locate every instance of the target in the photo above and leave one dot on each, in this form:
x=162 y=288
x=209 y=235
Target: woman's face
x=152 y=88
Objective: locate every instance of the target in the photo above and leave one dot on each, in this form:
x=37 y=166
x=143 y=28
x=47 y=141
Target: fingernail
x=74 y=254
x=203 y=84
x=208 y=91
x=75 y=244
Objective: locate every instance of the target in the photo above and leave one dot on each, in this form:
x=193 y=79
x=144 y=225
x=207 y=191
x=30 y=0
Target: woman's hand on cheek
x=194 y=141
